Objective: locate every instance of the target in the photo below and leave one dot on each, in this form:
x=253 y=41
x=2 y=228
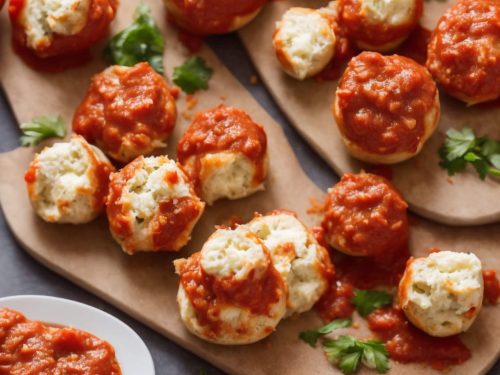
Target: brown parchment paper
x=461 y=200
x=144 y=285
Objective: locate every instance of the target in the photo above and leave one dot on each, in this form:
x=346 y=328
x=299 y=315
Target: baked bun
x=224 y=153
x=386 y=108
x=68 y=182
x=464 y=51
x=127 y=112
x=229 y=292
x=304 y=42
x=379 y=25
x=442 y=294
x=213 y=16
x=60 y=27
x=364 y=215
x=302 y=262
x=152 y=206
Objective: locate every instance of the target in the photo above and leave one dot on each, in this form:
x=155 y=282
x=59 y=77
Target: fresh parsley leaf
x=193 y=75
x=141 y=41
x=41 y=128
x=368 y=300
x=347 y=352
x=312 y=336
x=463 y=147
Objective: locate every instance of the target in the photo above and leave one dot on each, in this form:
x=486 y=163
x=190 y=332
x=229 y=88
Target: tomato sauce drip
x=406 y=343
x=174 y=218
x=415 y=46
x=491 y=287
x=222 y=129
x=31 y=347
x=209 y=294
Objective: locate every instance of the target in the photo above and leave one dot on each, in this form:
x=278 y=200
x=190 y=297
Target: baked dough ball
x=60 y=27
x=230 y=293
x=304 y=42
x=127 y=112
x=464 y=51
x=379 y=25
x=68 y=182
x=224 y=152
x=213 y=16
x=442 y=294
x=386 y=107
x=364 y=215
x=152 y=206
x=303 y=263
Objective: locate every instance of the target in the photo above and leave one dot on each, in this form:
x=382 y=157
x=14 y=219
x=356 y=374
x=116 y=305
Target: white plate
x=131 y=352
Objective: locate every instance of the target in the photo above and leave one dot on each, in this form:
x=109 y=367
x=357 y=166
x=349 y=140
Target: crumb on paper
x=187 y=115
x=191 y=102
x=223 y=97
x=253 y=79
x=317 y=208
x=355 y=325
x=450 y=180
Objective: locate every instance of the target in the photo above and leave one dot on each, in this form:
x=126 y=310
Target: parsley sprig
x=368 y=300
x=193 y=75
x=141 y=41
x=311 y=336
x=347 y=352
x=462 y=147
x=41 y=128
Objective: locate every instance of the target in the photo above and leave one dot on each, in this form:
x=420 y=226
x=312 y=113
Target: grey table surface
x=21 y=274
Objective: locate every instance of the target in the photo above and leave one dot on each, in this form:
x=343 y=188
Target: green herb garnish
x=41 y=128
x=311 y=336
x=462 y=147
x=347 y=352
x=141 y=41
x=193 y=75
x=368 y=300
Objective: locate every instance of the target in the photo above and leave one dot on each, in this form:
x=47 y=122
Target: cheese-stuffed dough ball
x=127 y=112
x=152 y=206
x=60 y=27
x=229 y=292
x=68 y=182
x=304 y=42
x=213 y=16
x=442 y=294
x=224 y=152
x=364 y=215
x=379 y=25
x=303 y=263
x=386 y=108
x=464 y=51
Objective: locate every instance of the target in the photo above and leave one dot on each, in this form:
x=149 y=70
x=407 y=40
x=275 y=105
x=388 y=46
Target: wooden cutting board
x=461 y=200
x=145 y=285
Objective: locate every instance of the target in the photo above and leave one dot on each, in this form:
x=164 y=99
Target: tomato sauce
x=209 y=294
x=358 y=27
x=383 y=102
x=211 y=16
x=126 y=112
x=365 y=216
x=463 y=53
x=491 y=287
x=222 y=129
x=30 y=347
x=62 y=51
x=406 y=343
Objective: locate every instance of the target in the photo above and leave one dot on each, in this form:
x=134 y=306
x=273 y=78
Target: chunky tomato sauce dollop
x=223 y=129
x=30 y=347
x=62 y=51
x=211 y=16
x=209 y=294
x=127 y=111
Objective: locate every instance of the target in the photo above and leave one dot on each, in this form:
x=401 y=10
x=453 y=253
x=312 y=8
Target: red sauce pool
x=491 y=287
x=30 y=347
x=406 y=343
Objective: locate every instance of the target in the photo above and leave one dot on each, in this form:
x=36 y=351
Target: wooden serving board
x=145 y=285
x=461 y=200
